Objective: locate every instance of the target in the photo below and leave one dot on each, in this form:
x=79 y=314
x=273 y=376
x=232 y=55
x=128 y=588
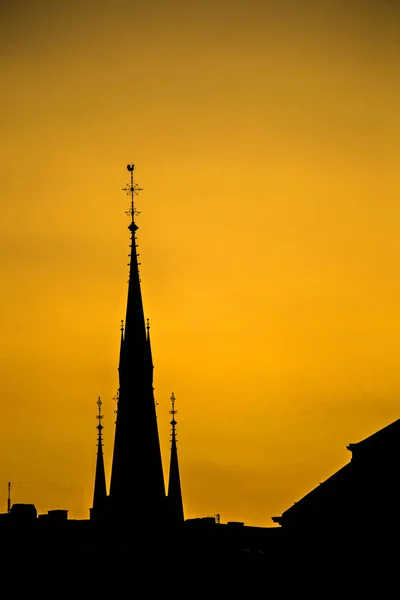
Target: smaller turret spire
x=100 y=490
x=175 y=503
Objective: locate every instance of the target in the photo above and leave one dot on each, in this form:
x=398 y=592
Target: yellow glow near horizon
x=266 y=140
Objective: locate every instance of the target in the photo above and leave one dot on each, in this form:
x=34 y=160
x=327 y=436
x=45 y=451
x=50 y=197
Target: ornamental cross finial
x=99 y=426
x=132 y=189
x=173 y=413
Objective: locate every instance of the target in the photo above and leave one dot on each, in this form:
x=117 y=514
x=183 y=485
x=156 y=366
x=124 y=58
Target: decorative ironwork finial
x=132 y=189
x=173 y=413
x=99 y=426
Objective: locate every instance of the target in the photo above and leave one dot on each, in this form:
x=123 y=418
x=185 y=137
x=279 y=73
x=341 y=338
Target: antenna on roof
x=9 y=498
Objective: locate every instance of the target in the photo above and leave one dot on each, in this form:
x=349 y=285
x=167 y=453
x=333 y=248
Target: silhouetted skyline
x=266 y=139
x=138 y=525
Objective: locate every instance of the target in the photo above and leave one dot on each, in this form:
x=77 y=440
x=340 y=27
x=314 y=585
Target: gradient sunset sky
x=266 y=138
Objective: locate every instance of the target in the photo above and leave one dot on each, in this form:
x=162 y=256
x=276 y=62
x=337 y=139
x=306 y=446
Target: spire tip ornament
x=99 y=426
x=132 y=189
x=173 y=413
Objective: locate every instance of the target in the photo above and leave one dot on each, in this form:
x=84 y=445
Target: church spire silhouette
x=175 y=504
x=137 y=482
x=100 y=489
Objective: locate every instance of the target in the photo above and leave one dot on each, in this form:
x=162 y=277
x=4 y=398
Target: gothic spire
x=100 y=490
x=137 y=481
x=175 y=504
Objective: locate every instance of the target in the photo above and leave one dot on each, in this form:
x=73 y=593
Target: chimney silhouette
x=137 y=490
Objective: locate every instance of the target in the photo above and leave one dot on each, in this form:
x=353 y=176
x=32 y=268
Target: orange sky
x=266 y=137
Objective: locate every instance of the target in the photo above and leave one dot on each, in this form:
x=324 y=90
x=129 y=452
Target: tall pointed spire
x=175 y=504
x=100 y=489
x=137 y=481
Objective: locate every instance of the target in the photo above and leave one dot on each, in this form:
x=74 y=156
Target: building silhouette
x=362 y=496
x=137 y=525
x=137 y=495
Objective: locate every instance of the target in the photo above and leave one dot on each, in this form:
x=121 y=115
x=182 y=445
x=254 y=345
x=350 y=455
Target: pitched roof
x=337 y=489
x=331 y=490
x=387 y=436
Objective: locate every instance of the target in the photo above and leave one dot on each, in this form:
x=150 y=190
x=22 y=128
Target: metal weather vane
x=132 y=189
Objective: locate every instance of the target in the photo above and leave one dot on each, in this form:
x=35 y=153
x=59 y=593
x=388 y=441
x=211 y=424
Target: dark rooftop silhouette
x=360 y=493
